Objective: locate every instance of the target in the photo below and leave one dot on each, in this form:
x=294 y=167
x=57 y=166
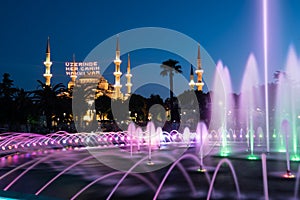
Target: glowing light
x=224 y=152
x=281 y=150
x=288 y=174
x=295 y=158
x=150 y=163
x=252 y=157
x=201 y=170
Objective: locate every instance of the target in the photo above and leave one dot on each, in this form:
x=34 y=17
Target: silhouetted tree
x=23 y=108
x=103 y=106
x=47 y=100
x=138 y=106
x=7 y=92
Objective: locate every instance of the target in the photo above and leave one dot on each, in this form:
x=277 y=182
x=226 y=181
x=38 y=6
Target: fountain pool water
x=72 y=172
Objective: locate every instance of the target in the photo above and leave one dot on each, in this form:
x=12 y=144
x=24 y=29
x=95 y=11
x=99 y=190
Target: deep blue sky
x=228 y=29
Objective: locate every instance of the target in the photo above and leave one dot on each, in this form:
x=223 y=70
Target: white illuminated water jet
x=202 y=144
x=285 y=128
x=286 y=104
x=265 y=176
x=265 y=32
x=131 y=131
x=249 y=100
x=221 y=105
x=151 y=133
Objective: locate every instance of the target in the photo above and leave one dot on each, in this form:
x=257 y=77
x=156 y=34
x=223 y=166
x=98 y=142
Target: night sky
x=229 y=30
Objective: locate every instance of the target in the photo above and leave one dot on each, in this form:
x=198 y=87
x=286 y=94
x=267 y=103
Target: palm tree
x=168 y=68
x=7 y=92
x=83 y=102
x=47 y=100
x=23 y=108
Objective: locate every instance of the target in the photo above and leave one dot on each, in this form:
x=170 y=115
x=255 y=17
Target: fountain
x=203 y=147
x=265 y=47
x=221 y=105
x=102 y=165
x=286 y=101
x=286 y=131
x=151 y=133
x=73 y=157
x=249 y=101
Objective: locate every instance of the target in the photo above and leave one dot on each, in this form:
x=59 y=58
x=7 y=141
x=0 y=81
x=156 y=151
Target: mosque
x=104 y=88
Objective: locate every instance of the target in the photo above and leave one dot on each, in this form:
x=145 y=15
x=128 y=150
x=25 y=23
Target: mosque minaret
x=48 y=64
x=117 y=73
x=128 y=77
x=199 y=84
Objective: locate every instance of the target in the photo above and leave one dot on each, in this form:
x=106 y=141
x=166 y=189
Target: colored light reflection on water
x=6 y=198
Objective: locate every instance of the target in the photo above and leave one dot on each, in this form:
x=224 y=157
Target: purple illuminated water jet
x=265 y=33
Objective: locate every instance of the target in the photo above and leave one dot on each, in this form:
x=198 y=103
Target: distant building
x=103 y=87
